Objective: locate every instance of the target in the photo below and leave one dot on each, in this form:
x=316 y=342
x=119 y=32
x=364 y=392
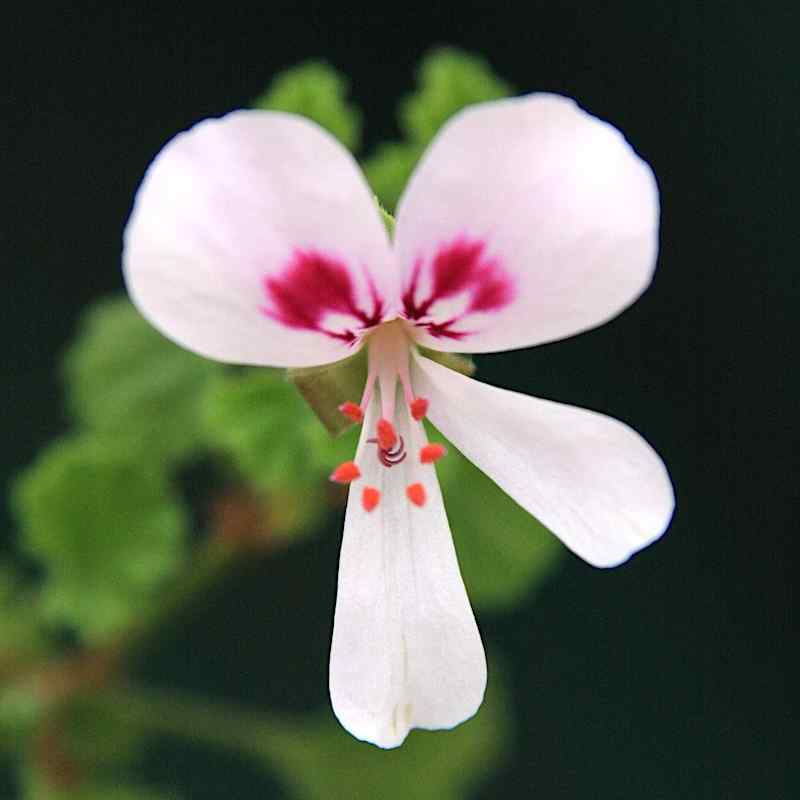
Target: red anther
x=346 y=471
x=370 y=497
x=352 y=411
x=387 y=436
x=419 y=408
x=416 y=494
x=432 y=452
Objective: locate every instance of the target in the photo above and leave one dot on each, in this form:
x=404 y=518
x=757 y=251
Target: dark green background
x=666 y=678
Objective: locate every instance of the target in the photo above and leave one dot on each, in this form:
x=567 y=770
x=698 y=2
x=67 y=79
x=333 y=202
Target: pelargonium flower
x=255 y=240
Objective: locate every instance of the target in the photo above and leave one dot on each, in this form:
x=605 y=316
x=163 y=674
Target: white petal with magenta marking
x=593 y=481
x=253 y=239
x=406 y=652
x=526 y=221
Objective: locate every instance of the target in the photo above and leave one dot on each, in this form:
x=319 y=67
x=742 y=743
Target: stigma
x=388 y=358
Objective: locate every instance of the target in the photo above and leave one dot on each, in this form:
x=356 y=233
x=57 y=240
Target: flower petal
x=591 y=479
x=406 y=652
x=527 y=220
x=254 y=239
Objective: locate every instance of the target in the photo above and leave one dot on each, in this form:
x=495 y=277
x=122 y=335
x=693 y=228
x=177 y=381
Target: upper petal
x=406 y=652
x=593 y=481
x=527 y=220
x=254 y=239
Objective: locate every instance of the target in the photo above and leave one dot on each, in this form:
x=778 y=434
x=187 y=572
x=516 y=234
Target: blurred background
x=668 y=677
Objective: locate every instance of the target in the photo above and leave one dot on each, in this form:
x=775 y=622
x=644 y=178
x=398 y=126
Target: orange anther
x=432 y=452
x=387 y=436
x=352 y=411
x=370 y=497
x=419 y=408
x=346 y=471
x=416 y=494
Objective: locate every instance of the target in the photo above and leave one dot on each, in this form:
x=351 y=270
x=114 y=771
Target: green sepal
x=325 y=388
x=388 y=219
x=458 y=362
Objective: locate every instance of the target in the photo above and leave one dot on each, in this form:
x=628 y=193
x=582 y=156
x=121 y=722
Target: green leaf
x=317 y=91
x=389 y=168
x=319 y=760
x=326 y=387
x=124 y=379
x=449 y=79
x=504 y=552
x=107 y=530
x=277 y=443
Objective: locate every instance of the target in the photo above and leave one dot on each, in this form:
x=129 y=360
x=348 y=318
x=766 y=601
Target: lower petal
x=406 y=652
x=592 y=480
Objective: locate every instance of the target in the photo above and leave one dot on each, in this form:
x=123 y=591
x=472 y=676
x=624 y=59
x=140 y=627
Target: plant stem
x=174 y=714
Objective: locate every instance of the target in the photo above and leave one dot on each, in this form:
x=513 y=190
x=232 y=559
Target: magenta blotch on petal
x=458 y=268
x=313 y=286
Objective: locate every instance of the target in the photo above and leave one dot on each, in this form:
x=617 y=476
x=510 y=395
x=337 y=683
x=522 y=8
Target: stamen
x=432 y=453
x=352 y=411
x=346 y=472
x=419 y=408
x=369 y=386
x=370 y=497
x=416 y=494
x=387 y=436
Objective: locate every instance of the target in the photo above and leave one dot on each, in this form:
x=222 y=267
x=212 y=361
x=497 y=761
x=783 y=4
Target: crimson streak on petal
x=460 y=267
x=314 y=285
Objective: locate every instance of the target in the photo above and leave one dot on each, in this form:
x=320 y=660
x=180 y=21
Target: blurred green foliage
x=317 y=91
x=20 y=712
x=21 y=635
x=448 y=79
x=106 y=530
x=36 y=786
x=92 y=734
x=258 y=420
x=124 y=380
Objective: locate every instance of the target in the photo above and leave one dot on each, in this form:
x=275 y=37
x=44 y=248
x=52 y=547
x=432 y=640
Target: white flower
x=255 y=240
